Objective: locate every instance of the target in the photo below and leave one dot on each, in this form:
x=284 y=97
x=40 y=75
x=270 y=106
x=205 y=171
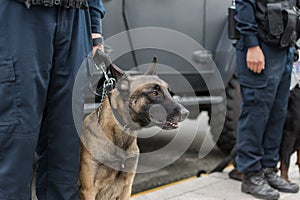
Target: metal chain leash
x=109 y=83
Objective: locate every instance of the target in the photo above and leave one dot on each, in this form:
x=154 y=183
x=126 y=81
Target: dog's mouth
x=166 y=125
x=170 y=125
x=158 y=116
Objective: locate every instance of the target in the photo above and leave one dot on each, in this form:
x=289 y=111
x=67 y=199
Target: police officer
x=264 y=71
x=42 y=45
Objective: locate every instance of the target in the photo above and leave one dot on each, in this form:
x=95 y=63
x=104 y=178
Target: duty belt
x=79 y=4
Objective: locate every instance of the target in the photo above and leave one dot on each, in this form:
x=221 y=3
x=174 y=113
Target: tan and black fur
x=109 y=151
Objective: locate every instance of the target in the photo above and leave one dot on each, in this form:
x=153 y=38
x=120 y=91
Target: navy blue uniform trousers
x=264 y=105
x=41 y=50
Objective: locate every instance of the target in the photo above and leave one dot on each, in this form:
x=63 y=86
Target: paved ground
x=216 y=186
x=187 y=165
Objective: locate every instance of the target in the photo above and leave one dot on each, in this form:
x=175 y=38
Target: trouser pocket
x=8 y=99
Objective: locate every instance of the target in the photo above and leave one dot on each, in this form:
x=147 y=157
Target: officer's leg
x=250 y=131
x=274 y=129
x=273 y=133
x=24 y=77
x=253 y=118
x=58 y=148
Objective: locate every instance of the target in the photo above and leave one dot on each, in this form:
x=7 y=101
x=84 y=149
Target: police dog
x=291 y=133
x=109 y=151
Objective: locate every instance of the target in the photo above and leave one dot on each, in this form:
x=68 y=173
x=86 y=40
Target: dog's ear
x=116 y=72
x=152 y=68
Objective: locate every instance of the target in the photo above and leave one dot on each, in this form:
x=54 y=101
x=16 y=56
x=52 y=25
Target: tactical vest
x=278 y=22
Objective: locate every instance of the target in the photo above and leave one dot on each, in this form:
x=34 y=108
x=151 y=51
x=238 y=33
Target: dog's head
x=146 y=100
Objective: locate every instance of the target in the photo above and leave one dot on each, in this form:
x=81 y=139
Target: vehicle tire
x=227 y=139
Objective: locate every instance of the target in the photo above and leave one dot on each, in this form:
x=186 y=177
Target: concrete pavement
x=216 y=186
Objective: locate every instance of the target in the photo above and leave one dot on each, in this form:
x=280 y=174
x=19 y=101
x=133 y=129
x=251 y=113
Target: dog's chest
x=115 y=181
x=121 y=162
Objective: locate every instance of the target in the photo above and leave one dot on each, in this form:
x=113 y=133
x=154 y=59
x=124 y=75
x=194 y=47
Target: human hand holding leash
x=99 y=56
x=255 y=59
x=99 y=44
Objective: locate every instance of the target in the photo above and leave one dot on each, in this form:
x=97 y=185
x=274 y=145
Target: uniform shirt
x=246 y=23
x=97 y=12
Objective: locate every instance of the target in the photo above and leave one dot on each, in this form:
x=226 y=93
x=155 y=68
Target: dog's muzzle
x=167 y=118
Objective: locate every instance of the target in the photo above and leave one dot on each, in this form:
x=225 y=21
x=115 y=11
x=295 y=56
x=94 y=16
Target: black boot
x=254 y=183
x=279 y=183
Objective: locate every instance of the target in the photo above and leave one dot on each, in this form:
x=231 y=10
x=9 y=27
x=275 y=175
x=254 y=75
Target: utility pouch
x=281 y=24
x=233 y=33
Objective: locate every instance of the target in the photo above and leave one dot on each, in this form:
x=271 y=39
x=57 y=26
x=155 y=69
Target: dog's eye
x=157 y=87
x=154 y=93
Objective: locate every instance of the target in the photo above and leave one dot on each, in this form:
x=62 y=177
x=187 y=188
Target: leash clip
x=101 y=67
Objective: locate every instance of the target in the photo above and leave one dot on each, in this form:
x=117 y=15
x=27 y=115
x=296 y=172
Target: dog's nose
x=184 y=113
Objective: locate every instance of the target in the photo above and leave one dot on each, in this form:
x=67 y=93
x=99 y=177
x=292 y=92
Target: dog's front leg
x=86 y=194
x=126 y=192
x=284 y=168
x=88 y=168
x=87 y=190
